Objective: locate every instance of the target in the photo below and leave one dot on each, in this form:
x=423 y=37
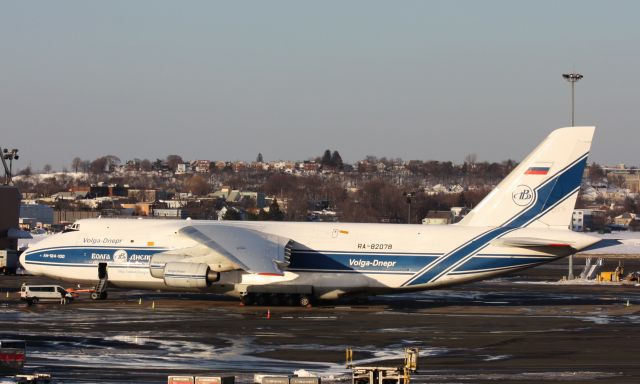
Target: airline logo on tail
x=523 y=195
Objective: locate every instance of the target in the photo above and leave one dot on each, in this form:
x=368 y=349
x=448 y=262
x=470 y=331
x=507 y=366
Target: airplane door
x=102 y=271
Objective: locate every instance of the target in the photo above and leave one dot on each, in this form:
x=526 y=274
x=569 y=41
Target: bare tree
x=198 y=185
x=76 y=163
x=146 y=165
x=596 y=173
x=173 y=161
x=99 y=165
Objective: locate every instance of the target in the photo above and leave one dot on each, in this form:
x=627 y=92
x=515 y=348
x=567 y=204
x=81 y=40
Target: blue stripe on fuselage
x=359 y=261
x=78 y=256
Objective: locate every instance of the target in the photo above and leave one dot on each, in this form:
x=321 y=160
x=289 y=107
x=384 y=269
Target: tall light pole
x=572 y=78
x=8 y=155
x=408 y=195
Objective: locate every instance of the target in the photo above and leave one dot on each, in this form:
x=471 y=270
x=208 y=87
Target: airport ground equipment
x=180 y=380
x=589 y=271
x=305 y=380
x=38 y=378
x=377 y=375
x=382 y=374
x=612 y=276
x=8 y=261
x=275 y=380
x=201 y=379
x=75 y=292
x=12 y=356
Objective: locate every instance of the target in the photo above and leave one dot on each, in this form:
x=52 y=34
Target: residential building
x=438 y=218
x=586 y=220
x=172 y=213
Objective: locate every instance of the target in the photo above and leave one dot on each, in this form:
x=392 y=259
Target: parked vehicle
x=35 y=293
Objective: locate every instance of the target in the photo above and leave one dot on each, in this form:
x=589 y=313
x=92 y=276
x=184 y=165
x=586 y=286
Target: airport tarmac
x=523 y=329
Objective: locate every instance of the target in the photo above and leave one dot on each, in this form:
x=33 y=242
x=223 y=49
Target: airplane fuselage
x=334 y=259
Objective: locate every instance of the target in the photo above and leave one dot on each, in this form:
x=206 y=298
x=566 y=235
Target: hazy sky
x=225 y=80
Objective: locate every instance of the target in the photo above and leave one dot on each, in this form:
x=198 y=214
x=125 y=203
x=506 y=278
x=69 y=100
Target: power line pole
x=572 y=78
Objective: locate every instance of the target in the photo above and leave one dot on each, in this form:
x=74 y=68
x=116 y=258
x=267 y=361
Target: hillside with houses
x=319 y=189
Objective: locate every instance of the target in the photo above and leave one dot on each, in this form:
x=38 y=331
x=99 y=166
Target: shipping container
x=275 y=380
x=304 y=380
x=215 y=379
x=180 y=380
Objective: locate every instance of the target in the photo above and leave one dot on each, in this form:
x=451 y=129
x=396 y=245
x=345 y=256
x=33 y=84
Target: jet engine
x=189 y=275
x=158 y=262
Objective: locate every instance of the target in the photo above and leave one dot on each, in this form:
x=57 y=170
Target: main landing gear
x=275 y=299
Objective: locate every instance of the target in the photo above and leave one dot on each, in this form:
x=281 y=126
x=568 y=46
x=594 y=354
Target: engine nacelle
x=188 y=275
x=157 y=263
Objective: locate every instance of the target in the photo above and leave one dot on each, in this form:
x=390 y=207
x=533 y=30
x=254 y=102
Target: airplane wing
x=249 y=249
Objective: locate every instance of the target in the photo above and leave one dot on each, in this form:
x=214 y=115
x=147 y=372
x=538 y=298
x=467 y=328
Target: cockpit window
x=71 y=228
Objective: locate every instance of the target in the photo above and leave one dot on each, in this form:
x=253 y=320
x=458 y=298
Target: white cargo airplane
x=522 y=223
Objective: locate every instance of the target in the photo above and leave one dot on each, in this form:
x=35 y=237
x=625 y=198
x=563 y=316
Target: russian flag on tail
x=539 y=169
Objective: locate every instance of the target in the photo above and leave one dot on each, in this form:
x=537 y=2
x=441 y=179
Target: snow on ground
x=616 y=243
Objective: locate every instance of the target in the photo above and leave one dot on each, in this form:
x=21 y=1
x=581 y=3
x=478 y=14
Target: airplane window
x=72 y=228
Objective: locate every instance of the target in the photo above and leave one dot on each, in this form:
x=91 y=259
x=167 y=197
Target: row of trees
x=332 y=160
x=105 y=164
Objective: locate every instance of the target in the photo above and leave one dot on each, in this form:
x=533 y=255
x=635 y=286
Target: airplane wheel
x=304 y=300
x=249 y=299
x=95 y=296
x=103 y=295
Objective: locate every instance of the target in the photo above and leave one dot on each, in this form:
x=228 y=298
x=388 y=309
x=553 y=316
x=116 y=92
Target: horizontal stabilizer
x=615 y=246
x=531 y=242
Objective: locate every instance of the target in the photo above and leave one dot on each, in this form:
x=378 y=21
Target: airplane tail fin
x=542 y=190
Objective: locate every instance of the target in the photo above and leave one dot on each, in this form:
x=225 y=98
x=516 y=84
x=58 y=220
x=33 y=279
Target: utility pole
x=572 y=78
